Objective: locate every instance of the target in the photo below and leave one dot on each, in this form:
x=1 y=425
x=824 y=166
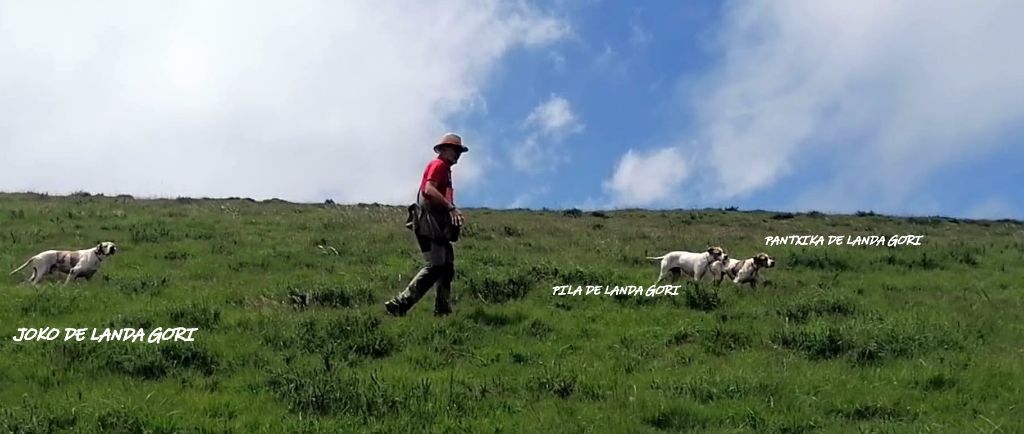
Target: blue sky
x=910 y=108
x=621 y=81
x=632 y=76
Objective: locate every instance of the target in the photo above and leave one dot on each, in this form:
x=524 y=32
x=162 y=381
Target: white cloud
x=301 y=101
x=527 y=199
x=535 y=28
x=643 y=179
x=591 y=203
x=638 y=36
x=554 y=117
x=611 y=63
x=558 y=62
x=548 y=124
x=888 y=91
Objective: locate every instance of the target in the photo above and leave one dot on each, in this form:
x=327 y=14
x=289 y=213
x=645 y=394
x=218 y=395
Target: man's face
x=451 y=154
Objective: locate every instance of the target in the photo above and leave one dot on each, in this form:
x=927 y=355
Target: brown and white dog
x=694 y=265
x=74 y=263
x=745 y=271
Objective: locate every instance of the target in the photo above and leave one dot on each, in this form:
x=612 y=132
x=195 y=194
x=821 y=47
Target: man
x=435 y=196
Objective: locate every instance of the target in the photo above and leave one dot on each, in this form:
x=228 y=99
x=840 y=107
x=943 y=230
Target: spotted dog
x=742 y=271
x=694 y=265
x=74 y=263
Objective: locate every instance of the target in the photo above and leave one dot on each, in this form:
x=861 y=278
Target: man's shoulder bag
x=421 y=221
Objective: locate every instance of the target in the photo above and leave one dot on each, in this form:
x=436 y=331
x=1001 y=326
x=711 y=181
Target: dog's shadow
x=56 y=282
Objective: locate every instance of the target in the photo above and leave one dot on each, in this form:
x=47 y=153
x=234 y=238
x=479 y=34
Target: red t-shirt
x=440 y=173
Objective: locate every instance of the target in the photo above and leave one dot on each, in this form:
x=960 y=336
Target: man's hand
x=456 y=217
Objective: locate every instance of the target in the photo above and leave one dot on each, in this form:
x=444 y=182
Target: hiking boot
x=394 y=308
x=442 y=311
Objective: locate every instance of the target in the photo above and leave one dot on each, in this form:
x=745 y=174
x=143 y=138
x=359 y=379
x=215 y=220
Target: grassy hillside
x=294 y=339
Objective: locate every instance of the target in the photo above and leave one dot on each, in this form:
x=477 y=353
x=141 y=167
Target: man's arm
x=434 y=195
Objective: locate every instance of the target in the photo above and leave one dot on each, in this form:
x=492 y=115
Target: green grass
x=293 y=338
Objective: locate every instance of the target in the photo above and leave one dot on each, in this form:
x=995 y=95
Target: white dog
x=74 y=263
x=695 y=265
x=745 y=271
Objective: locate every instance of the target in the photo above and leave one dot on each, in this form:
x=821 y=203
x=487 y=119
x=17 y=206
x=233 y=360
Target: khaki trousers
x=439 y=268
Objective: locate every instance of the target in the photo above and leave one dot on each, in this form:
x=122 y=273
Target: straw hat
x=450 y=139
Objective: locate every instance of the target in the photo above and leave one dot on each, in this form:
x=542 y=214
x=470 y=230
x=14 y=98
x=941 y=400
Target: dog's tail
x=658 y=257
x=22 y=267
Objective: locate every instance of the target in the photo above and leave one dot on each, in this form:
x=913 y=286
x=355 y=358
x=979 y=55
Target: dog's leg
x=659 y=279
x=662 y=275
x=665 y=270
x=73 y=274
x=699 y=274
x=37 y=276
x=753 y=279
x=677 y=273
x=728 y=274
